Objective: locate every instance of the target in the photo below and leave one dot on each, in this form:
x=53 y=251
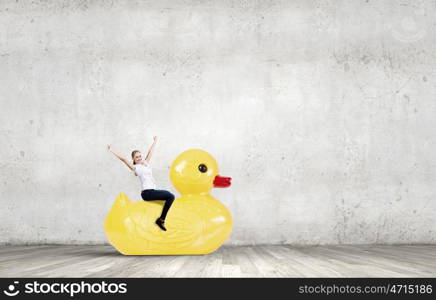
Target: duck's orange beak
x=222 y=182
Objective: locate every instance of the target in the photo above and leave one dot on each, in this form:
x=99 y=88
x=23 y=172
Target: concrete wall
x=323 y=112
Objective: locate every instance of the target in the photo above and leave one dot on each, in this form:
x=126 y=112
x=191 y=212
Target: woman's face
x=137 y=158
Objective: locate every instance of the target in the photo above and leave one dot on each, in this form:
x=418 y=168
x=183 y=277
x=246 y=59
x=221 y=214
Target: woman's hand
x=109 y=148
x=155 y=138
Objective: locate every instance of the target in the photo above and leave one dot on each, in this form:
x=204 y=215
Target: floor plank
x=240 y=261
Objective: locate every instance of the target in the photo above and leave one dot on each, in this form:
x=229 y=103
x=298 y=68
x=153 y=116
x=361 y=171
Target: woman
x=141 y=168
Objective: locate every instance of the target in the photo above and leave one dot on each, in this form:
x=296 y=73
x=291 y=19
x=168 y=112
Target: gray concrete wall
x=323 y=112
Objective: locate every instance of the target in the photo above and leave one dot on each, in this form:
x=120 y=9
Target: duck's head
x=195 y=171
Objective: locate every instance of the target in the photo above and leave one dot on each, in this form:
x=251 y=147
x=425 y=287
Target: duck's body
x=196 y=224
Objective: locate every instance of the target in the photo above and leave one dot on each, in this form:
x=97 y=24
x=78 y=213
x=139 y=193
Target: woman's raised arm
x=131 y=167
x=151 y=151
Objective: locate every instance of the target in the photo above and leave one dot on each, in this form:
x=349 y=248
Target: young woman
x=141 y=168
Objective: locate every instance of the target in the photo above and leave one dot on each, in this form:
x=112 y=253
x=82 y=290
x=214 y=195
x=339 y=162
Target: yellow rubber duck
x=197 y=223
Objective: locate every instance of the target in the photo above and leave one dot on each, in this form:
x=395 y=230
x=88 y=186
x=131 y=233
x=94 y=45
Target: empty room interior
x=218 y=138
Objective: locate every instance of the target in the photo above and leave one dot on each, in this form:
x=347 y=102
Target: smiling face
x=193 y=171
x=137 y=157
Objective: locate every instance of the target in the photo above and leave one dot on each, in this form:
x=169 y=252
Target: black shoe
x=160 y=222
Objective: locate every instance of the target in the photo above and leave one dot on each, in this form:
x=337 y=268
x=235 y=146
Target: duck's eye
x=202 y=168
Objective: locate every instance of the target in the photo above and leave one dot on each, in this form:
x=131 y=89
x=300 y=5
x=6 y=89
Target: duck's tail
x=121 y=201
x=114 y=226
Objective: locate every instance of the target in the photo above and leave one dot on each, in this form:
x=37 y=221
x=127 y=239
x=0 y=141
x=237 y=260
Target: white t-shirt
x=145 y=176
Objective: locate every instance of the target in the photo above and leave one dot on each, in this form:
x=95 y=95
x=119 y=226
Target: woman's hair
x=133 y=155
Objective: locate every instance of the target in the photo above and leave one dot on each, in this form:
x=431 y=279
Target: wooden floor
x=246 y=261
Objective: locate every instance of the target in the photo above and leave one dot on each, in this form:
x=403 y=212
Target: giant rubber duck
x=196 y=224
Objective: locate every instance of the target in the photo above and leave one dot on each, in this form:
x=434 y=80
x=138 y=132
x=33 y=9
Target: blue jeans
x=150 y=195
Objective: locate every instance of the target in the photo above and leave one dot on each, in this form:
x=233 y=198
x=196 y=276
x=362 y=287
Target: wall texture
x=323 y=112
